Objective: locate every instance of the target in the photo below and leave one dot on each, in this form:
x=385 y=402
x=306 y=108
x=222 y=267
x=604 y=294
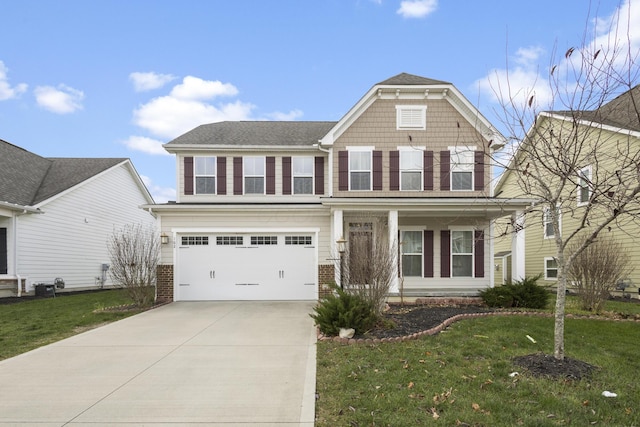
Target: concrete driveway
x=211 y=363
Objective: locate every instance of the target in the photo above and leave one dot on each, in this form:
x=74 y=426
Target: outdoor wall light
x=164 y=239
x=342 y=246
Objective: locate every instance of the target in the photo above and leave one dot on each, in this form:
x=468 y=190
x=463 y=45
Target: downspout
x=15 y=253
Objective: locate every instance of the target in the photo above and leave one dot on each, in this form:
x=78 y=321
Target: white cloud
x=61 y=100
x=195 y=88
x=143 y=82
x=159 y=194
x=145 y=145
x=169 y=117
x=417 y=8
x=6 y=91
x=285 y=117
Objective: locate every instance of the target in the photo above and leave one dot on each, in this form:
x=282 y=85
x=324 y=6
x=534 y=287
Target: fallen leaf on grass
x=410 y=384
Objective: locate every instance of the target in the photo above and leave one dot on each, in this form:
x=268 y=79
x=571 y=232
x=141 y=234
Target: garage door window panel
x=229 y=240
x=205 y=175
x=264 y=240
x=195 y=240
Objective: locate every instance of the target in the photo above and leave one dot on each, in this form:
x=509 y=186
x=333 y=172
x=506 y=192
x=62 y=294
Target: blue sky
x=107 y=78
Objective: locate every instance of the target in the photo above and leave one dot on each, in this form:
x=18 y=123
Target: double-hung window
x=411 y=169
x=550 y=268
x=462 y=253
x=205 y=175
x=547 y=222
x=462 y=164
x=584 y=186
x=360 y=169
x=412 y=253
x=411 y=117
x=254 y=175
x=302 y=175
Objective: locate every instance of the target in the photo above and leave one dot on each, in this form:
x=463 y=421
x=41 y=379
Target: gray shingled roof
x=27 y=179
x=259 y=133
x=404 y=79
x=620 y=112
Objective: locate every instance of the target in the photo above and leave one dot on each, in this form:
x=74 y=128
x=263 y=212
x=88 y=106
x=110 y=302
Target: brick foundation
x=164 y=286
x=326 y=278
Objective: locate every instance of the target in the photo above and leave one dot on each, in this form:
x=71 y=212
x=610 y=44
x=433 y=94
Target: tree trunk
x=561 y=295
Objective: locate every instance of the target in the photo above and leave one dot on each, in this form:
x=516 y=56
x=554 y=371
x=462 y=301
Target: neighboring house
x=613 y=129
x=56 y=215
x=261 y=205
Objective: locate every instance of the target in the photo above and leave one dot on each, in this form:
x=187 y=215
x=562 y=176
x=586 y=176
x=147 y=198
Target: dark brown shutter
x=286 y=175
x=394 y=170
x=427 y=253
x=478 y=171
x=445 y=170
x=237 y=175
x=445 y=253
x=271 y=175
x=479 y=253
x=222 y=175
x=319 y=175
x=188 y=175
x=4 y=251
x=377 y=170
x=428 y=170
x=343 y=170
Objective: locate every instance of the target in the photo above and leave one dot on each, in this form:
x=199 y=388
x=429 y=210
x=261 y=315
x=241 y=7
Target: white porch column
x=393 y=245
x=517 y=247
x=337 y=233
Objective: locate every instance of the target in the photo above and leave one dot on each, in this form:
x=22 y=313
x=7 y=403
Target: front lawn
x=465 y=376
x=29 y=324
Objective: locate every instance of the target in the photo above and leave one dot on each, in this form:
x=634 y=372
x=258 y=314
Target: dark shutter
x=445 y=170
x=428 y=170
x=319 y=175
x=237 y=175
x=286 y=175
x=3 y=251
x=343 y=170
x=445 y=253
x=271 y=175
x=478 y=171
x=394 y=170
x=377 y=170
x=479 y=253
x=427 y=253
x=222 y=175
x=188 y=175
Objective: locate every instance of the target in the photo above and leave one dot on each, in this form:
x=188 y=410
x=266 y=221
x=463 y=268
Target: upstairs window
x=584 y=186
x=360 y=169
x=411 y=117
x=254 y=175
x=462 y=166
x=205 y=175
x=547 y=222
x=411 y=169
x=302 y=175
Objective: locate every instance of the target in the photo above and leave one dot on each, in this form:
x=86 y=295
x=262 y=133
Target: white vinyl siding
x=411 y=117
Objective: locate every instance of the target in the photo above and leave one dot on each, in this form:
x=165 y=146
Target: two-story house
x=601 y=148
x=261 y=205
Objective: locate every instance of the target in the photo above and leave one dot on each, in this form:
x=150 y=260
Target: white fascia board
x=18 y=208
x=593 y=123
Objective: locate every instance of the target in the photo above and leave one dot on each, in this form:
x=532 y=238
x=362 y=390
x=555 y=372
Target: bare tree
x=580 y=158
x=134 y=252
x=597 y=270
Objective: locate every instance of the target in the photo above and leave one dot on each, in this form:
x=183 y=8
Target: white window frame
x=548 y=222
x=198 y=173
x=366 y=150
x=411 y=117
x=295 y=175
x=584 y=185
x=547 y=269
x=421 y=253
x=472 y=253
x=418 y=168
x=459 y=167
x=245 y=175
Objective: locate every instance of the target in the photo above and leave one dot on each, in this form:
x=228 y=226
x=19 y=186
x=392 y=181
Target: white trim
x=422 y=125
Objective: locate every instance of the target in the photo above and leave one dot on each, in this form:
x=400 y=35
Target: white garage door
x=246 y=267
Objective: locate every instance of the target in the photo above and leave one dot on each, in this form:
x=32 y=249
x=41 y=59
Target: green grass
x=461 y=377
x=31 y=324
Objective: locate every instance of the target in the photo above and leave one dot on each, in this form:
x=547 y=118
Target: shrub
x=342 y=309
x=525 y=293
